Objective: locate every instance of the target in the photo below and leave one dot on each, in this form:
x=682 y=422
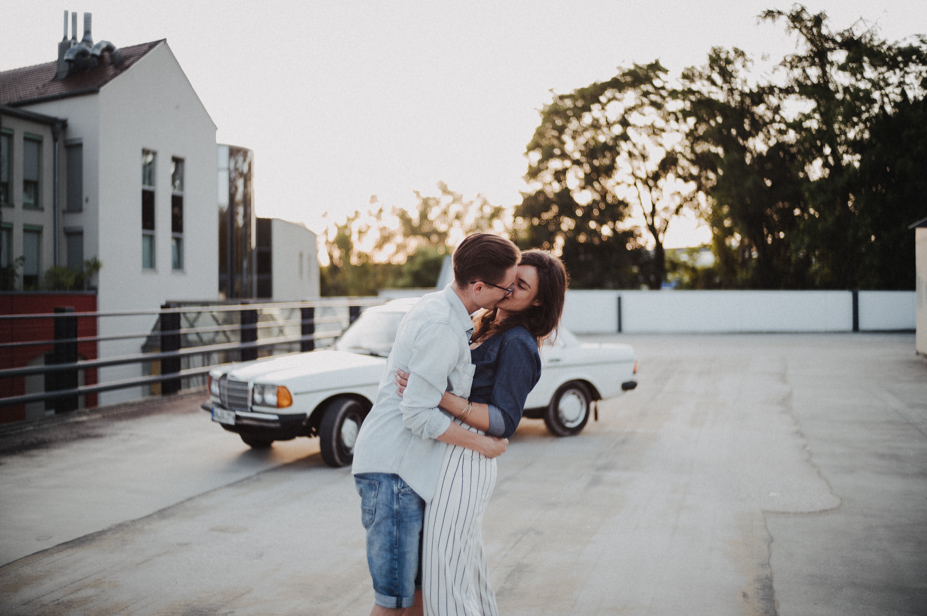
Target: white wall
x=295 y=261
x=887 y=310
x=920 y=256
x=150 y=106
x=83 y=116
x=591 y=312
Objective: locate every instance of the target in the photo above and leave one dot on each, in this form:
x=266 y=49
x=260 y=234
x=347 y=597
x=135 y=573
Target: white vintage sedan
x=327 y=393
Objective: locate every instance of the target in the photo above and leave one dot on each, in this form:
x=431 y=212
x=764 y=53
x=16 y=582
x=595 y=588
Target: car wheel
x=256 y=443
x=569 y=409
x=338 y=432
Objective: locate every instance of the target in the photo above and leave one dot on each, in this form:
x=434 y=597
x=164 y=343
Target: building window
x=6 y=168
x=32 y=163
x=148 y=209
x=32 y=255
x=74 y=244
x=176 y=214
x=75 y=161
x=6 y=245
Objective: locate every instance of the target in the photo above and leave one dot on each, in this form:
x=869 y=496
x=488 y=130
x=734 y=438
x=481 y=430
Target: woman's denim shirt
x=508 y=367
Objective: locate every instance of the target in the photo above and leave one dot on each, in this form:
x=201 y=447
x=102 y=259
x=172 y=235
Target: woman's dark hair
x=483 y=256
x=540 y=320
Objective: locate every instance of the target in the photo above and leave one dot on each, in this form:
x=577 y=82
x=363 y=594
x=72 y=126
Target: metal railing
x=186 y=342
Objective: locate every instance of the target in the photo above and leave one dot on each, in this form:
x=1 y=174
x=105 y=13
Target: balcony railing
x=186 y=342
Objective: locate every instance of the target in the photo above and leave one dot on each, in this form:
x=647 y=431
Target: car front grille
x=233 y=394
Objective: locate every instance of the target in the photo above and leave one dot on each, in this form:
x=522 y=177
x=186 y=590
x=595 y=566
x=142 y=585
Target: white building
x=135 y=183
x=109 y=154
x=287 y=261
x=27 y=223
x=259 y=258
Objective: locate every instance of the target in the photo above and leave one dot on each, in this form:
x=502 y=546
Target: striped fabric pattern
x=455 y=575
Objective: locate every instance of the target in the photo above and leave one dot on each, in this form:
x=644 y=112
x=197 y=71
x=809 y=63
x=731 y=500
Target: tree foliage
x=749 y=171
x=401 y=248
x=808 y=177
x=603 y=155
x=796 y=170
x=843 y=83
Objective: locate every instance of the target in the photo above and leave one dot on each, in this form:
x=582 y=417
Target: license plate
x=223 y=416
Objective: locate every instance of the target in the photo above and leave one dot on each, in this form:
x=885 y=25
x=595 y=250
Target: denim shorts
x=393 y=515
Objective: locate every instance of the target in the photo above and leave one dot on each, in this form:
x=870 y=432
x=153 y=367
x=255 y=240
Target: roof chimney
x=87 y=40
x=62 y=67
x=76 y=56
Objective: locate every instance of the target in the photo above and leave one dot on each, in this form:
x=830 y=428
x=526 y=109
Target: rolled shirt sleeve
x=431 y=361
x=496 y=422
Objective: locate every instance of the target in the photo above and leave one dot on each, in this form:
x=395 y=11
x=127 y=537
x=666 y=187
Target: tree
x=892 y=194
x=602 y=155
x=400 y=248
x=842 y=84
x=795 y=169
x=746 y=163
x=351 y=269
x=440 y=222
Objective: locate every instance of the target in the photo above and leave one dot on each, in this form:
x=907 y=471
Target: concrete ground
x=746 y=475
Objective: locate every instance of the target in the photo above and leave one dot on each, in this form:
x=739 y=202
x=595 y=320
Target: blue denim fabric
x=507 y=367
x=392 y=513
x=398 y=435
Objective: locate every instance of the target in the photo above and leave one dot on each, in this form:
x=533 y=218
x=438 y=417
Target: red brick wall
x=40 y=329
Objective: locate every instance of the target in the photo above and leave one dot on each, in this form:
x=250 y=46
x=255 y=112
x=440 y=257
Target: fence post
x=170 y=342
x=619 y=314
x=308 y=329
x=249 y=333
x=64 y=352
x=855 y=310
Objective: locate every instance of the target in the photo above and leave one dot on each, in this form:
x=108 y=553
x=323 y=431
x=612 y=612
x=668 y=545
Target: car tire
x=569 y=409
x=256 y=443
x=341 y=422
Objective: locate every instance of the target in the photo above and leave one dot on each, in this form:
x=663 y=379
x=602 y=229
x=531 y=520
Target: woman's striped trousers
x=455 y=576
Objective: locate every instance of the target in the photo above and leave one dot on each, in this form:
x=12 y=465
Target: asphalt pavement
x=781 y=474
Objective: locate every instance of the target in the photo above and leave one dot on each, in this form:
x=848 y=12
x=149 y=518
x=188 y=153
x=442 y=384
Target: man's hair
x=483 y=256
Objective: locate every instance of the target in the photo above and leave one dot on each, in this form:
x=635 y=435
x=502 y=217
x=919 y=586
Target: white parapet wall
x=887 y=310
x=592 y=312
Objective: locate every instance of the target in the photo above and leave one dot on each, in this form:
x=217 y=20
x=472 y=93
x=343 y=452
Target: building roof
x=919 y=224
x=32 y=116
x=34 y=84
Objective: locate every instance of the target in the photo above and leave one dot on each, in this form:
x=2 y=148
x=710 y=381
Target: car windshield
x=372 y=333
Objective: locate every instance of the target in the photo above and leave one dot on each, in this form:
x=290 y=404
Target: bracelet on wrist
x=466 y=411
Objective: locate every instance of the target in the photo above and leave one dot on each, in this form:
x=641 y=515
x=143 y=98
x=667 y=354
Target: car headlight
x=276 y=396
x=213 y=384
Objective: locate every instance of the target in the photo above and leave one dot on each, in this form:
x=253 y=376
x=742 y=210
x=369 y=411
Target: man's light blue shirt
x=398 y=436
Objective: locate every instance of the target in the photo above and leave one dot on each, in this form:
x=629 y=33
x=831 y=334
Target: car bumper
x=278 y=427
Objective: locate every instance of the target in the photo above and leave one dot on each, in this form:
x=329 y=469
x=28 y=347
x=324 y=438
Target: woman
x=504 y=350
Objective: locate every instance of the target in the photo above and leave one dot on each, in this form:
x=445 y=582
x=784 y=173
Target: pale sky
x=342 y=100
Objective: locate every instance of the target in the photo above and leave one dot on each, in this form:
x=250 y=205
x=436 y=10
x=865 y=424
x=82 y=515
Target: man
x=400 y=448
